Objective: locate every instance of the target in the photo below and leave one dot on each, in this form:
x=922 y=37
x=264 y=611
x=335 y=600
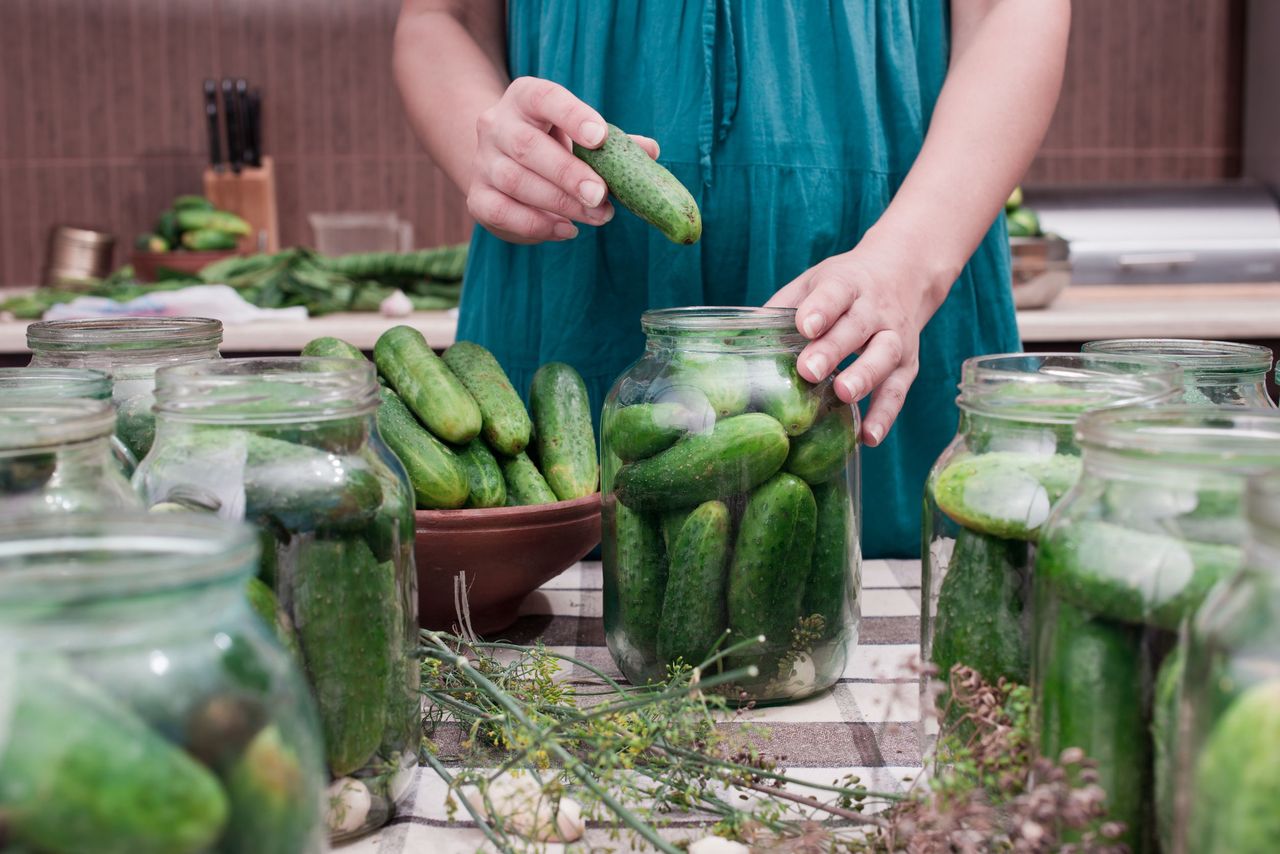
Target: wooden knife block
x=251 y=195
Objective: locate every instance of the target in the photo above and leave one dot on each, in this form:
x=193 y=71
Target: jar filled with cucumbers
x=129 y=350
x=1227 y=765
x=56 y=457
x=987 y=496
x=1155 y=521
x=291 y=445
x=1213 y=372
x=144 y=705
x=731 y=510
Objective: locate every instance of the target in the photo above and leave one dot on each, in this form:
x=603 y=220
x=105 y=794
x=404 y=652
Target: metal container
x=1041 y=269
x=77 y=254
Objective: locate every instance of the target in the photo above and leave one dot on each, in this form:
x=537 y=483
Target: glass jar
x=1214 y=372
x=1228 y=757
x=291 y=445
x=144 y=706
x=129 y=350
x=988 y=494
x=56 y=457
x=45 y=383
x=731 y=507
x=1154 y=522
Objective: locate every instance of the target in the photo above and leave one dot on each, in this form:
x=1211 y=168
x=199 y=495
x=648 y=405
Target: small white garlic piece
x=520 y=805
x=803 y=678
x=717 y=845
x=348 y=802
x=396 y=305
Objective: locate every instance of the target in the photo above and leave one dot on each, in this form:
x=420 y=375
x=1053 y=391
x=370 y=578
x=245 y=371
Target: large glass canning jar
x=730 y=506
x=990 y=491
x=143 y=706
x=1228 y=762
x=54 y=382
x=291 y=445
x=1213 y=372
x=56 y=457
x=130 y=350
x=1154 y=522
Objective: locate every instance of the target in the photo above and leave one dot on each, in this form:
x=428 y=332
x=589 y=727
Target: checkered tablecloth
x=865 y=725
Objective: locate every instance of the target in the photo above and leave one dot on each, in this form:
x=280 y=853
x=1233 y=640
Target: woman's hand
x=871 y=302
x=526 y=184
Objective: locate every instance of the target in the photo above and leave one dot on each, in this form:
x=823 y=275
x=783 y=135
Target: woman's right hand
x=526 y=184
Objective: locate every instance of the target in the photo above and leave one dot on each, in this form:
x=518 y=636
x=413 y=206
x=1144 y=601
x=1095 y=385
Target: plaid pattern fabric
x=865 y=725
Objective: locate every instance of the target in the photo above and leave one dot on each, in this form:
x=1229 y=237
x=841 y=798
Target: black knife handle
x=247 y=153
x=253 y=124
x=211 y=120
x=234 y=152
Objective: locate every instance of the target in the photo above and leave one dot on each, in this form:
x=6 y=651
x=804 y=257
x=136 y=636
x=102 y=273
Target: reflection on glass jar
x=46 y=383
x=56 y=457
x=990 y=492
x=731 y=508
x=1155 y=521
x=129 y=350
x=144 y=706
x=291 y=445
x=1214 y=372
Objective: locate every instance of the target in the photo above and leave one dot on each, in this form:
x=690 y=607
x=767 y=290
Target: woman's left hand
x=871 y=302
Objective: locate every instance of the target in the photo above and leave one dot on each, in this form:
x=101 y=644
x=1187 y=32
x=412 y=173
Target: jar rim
x=81 y=557
x=252 y=391
x=55 y=382
x=1206 y=359
x=134 y=333
x=1228 y=437
x=28 y=423
x=717 y=318
x=1056 y=388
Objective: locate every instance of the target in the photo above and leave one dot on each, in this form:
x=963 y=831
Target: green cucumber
x=194 y=219
x=1164 y=738
x=392 y=529
x=823 y=452
x=275 y=803
x=151 y=243
x=300 y=487
x=262 y=599
x=671 y=523
x=167 y=227
x=644 y=429
x=192 y=202
x=737 y=455
x=439 y=478
x=525 y=484
x=506 y=424
x=826 y=591
x=693 y=605
x=780 y=391
x=566 y=441
x=83 y=773
x=982 y=619
x=484 y=476
x=644 y=187
x=1007 y=494
x=428 y=387
x=641 y=570
x=334 y=348
x=772 y=556
x=1134 y=576
x=345 y=610
x=723 y=377
x=208 y=240
x=1090 y=691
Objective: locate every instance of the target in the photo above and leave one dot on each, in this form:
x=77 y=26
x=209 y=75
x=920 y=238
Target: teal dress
x=793 y=124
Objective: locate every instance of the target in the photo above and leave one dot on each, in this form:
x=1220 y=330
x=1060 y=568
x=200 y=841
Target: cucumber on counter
x=506 y=425
x=693 y=614
x=427 y=386
x=484 y=475
x=737 y=455
x=439 y=478
x=821 y=453
x=644 y=187
x=564 y=435
x=1006 y=494
x=525 y=484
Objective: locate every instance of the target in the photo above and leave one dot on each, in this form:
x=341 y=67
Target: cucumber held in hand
x=506 y=424
x=737 y=455
x=693 y=612
x=438 y=477
x=644 y=187
x=564 y=436
x=427 y=386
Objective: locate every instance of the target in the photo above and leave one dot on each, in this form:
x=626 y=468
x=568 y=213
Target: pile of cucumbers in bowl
x=462 y=431
x=194 y=223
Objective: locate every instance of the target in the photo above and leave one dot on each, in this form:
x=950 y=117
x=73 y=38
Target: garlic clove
x=396 y=305
x=348 y=804
x=520 y=805
x=717 y=845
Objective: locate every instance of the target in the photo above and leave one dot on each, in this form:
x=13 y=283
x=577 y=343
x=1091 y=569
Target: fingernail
x=817 y=366
x=592 y=132
x=608 y=215
x=592 y=193
x=876 y=432
x=853 y=387
x=565 y=230
x=813 y=324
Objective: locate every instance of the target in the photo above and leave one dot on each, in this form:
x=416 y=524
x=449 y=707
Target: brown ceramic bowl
x=147 y=265
x=506 y=552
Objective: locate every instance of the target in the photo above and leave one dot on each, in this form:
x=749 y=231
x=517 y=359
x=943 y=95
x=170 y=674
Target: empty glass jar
x=54 y=382
x=731 y=508
x=143 y=706
x=291 y=445
x=1214 y=372
x=130 y=350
